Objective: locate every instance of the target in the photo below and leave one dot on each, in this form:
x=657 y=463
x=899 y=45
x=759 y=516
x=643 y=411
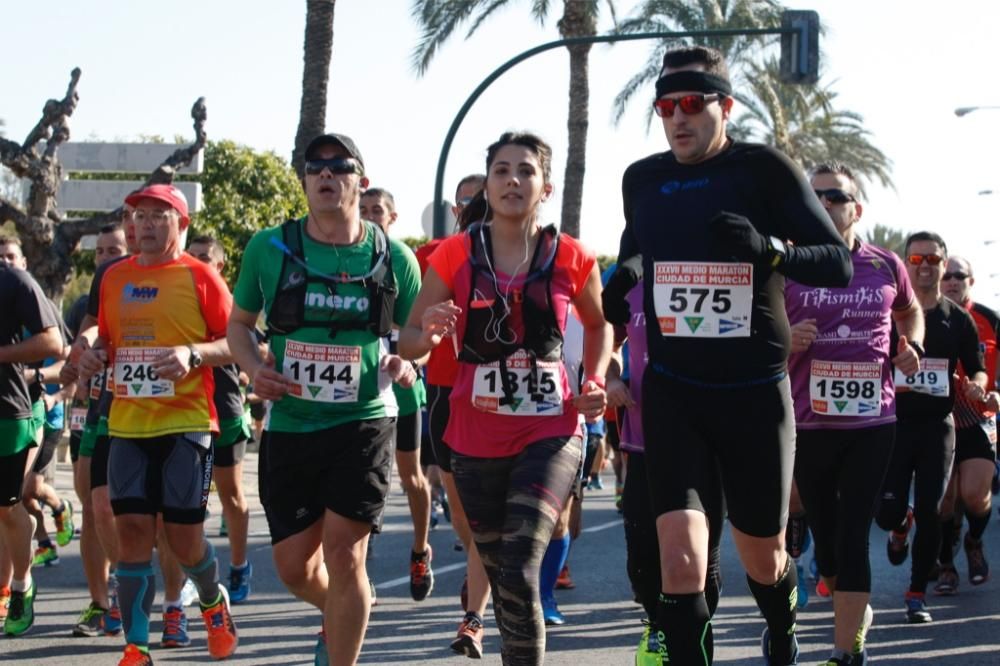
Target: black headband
x=688 y=79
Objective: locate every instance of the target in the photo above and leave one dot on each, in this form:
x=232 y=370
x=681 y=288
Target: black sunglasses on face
x=957 y=275
x=337 y=165
x=834 y=195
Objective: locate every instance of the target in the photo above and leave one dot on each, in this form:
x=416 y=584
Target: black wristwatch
x=196 y=358
x=917 y=347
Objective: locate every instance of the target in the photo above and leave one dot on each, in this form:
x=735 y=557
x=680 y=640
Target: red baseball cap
x=168 y=194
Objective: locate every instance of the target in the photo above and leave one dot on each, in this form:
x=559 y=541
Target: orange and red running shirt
x=477 y=432
x=144 y=310
x=442 y=366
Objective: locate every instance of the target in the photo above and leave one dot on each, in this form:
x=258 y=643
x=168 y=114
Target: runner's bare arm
x=432 y=318
x=268 y=383
x=597 y=338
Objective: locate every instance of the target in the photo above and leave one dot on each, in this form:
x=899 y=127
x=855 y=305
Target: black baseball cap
x=341 y=140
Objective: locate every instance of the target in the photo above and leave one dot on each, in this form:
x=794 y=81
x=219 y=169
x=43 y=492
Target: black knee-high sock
x=713 y=581
x=948 y=533
x=687 y=627
x=777 y=602
x=977 y=524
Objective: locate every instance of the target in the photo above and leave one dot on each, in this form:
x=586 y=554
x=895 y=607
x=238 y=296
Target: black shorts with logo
x=344 y=469
x=171 y=474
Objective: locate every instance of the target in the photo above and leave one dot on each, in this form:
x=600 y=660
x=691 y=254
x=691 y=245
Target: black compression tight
x=839 y=474
x=923 y=453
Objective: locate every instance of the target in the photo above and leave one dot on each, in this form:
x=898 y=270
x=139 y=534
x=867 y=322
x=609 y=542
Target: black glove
x=613 y=298
x=735 y=235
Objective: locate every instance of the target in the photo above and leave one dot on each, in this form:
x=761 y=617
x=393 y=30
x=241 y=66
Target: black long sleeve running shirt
x=668 y=206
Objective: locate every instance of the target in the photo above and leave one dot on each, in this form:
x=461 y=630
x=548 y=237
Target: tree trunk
x=577 y=21
x=317 y=52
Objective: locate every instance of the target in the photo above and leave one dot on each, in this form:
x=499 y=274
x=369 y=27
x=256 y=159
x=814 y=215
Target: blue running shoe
x=239 y=583
x=175 y=625
x=802 y=595
x=551 y=614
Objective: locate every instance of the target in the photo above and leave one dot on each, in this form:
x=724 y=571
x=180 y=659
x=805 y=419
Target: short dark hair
x=837 y=169
x=532 y=142
x=381 y=192
x=212 y=242
x=10 y=240
x=110 y=228
x=471 y=178
x=926 y=236
x=712 y=59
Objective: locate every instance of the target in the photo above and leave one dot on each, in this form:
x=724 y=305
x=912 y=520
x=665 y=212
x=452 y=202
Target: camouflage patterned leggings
x=512 y=504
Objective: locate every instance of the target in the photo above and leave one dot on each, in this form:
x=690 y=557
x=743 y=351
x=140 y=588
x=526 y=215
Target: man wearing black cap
x=712 y=217
x=332 y=286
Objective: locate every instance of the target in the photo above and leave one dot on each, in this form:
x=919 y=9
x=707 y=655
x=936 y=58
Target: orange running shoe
x=222 y=638
x=134 y=656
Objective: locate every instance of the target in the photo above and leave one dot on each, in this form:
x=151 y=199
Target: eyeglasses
x=690 y=104
x=834 y=195
x=337 y=165
x=957 y=275
x=464 y=201
x=159 y=216
x=931 y=259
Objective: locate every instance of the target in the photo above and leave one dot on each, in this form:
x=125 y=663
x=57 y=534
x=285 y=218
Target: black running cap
x=341 y=140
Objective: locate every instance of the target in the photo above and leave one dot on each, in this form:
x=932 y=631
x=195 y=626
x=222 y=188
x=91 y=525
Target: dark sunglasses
x=932 y=259
x=957 y=275
x=337 y=165
x=834 y=195
x=690 y=104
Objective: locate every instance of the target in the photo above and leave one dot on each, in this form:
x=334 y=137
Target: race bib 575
x=703 y=299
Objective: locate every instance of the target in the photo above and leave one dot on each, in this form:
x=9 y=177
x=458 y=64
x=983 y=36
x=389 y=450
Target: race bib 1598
x=845 y=388
x=703 y=299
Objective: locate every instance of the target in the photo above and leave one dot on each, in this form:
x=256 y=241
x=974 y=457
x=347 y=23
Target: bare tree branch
x=181 y=157
x=11 y=212
x=54 y=113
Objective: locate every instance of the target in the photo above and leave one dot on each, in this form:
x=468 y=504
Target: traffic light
x=800 y=49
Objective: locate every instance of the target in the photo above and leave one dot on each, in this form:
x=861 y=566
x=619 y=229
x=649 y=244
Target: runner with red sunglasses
x=706 y=223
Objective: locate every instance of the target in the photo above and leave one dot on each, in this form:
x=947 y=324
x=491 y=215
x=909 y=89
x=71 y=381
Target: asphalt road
x=603 y=623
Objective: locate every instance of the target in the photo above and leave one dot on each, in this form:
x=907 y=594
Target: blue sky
x=905 y=69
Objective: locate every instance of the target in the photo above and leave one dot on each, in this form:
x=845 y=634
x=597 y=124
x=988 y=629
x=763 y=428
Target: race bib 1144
x=845 y=388
x=323 y=373
x=134 y=376
x=703 y=299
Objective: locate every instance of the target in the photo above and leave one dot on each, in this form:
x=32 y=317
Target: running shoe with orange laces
x=898 y=545
x=4 y=600
x=564 y=582
x=421 y=574
x=222 y=638
x=469 y=640
x=135 y=656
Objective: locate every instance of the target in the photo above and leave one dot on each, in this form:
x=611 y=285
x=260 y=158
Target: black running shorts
x=344 y=469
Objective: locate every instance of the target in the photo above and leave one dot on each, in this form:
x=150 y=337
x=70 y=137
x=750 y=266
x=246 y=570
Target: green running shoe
x=45 y=556
x=91 y=622
x=64 y=524
x=20 y=612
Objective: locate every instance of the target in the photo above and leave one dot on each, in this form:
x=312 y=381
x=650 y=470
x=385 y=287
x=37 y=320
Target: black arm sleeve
x=817 y=255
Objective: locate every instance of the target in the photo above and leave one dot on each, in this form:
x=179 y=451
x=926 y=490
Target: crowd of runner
x=494 y=368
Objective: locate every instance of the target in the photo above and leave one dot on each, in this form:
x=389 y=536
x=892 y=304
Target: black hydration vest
x=288 y=308
x=488 y=335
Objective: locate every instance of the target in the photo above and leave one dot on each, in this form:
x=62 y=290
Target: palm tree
x=440 y=18
x=317 y=51
x=690 y=16
x=888 y=238
x=802 y=122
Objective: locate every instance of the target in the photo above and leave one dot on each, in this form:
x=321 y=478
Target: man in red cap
x=161 y=324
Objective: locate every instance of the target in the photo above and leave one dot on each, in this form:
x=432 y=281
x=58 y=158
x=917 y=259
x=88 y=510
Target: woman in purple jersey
x=845 y=410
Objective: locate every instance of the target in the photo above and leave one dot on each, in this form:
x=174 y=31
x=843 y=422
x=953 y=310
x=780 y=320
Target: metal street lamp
x=966 y=110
